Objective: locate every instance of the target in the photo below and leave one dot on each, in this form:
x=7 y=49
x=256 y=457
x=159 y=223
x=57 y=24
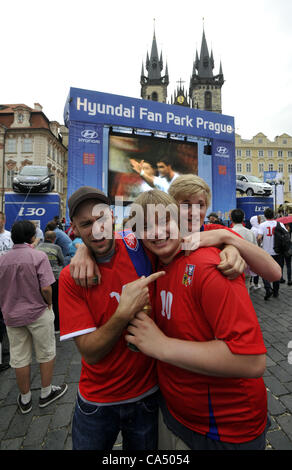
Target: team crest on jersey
x=188 y=275
x=131 y=241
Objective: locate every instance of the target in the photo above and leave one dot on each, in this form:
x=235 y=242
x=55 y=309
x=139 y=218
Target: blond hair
x=188 y=185
x=156 y=197
x=158 y=201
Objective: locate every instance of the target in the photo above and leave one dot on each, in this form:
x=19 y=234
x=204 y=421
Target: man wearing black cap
x=118 y=387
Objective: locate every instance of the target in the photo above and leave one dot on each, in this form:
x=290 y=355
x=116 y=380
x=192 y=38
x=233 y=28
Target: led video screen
x=129 y=155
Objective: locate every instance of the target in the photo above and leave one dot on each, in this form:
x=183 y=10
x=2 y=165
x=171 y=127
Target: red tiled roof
x=9 y=108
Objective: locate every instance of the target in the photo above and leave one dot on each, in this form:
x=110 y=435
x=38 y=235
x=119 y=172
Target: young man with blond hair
x=207 y=343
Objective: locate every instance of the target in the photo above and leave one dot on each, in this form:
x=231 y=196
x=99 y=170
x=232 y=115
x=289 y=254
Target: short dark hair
x=237 y=216
x=269 y=213
x=22 y=232
x=166 y=160
x=51 y=225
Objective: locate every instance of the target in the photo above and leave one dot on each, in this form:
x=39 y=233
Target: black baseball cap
x=83 y=194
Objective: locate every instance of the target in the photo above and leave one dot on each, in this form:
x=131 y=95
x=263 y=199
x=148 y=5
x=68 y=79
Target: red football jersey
x=122 y=374
x=195 y=302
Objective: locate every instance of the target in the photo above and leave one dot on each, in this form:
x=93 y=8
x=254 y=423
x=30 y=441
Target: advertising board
x=108 y=132
x=40 y=208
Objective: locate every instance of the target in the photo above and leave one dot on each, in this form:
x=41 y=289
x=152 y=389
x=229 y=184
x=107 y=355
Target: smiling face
x=186 y=210
x=161 y=237
x=158 y=223
x=93 y=222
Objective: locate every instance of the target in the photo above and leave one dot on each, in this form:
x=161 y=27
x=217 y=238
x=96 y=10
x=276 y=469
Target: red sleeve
x=227 y=307
x=217 y=227
x=75 y=316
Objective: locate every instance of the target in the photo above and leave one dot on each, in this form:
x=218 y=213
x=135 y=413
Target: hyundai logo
x=89 y=134
x=222 y=150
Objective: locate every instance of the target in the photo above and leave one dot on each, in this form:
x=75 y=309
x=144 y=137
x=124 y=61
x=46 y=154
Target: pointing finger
x=153 y=277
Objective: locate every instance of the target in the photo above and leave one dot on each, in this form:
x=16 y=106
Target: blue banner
x=254 y=206
x=223 y=177
x=270 y=175
x=107 y=109
x=85 y=156
x=41 y=208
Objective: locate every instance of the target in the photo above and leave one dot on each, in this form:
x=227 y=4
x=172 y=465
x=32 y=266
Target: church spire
x=155 y=78
x=205 y=86
x=206 y=62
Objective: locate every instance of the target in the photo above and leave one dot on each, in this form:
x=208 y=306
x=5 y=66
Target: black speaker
x=208 y=150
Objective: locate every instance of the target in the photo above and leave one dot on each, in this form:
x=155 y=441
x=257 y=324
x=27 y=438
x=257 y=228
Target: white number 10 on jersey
x=166 y=300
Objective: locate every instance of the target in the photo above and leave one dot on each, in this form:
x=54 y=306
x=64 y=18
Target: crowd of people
x=182 y=311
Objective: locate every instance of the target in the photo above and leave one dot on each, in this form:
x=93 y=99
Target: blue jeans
x=97 y=427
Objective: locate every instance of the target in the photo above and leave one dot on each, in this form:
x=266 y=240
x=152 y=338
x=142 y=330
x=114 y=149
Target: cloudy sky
x=48 y=46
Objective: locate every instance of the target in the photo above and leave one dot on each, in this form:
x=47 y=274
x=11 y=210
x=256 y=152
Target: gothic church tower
x=205 y=87
x=154 y=86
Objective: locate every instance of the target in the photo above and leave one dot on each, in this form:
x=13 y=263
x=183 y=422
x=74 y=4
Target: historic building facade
x=27 y=137
x=260 y=154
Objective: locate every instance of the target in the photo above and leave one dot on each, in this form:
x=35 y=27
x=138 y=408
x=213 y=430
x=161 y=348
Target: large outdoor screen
x=128 y=154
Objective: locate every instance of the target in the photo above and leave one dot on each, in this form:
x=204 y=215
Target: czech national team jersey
x=122 y=374
x=194 y=302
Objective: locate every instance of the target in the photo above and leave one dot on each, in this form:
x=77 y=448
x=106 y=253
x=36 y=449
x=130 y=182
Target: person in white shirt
x=266 y=237
x=166 y=174
x=237 y=217
x=255 y=222
x=5 y=237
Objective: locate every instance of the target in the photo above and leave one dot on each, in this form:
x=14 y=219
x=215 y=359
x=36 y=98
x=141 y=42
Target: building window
x=238 y=153
x=290 y=169
x=20 y=118
x=248 y=153
x=281 y=168
x=9 y=178
x=154 y=96
x=280 y=153
x=261 y=167
x=27 y=145
x=248 y=167
x=208 y=101
x=271 y=167
x=239 y=167
x=270 y=153
x=260 y=153
x=11 y=145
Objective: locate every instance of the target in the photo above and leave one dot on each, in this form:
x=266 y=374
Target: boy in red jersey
x=208 y=344
x=117 y=388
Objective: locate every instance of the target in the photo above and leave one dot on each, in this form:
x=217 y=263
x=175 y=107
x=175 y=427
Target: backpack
x=282 y=242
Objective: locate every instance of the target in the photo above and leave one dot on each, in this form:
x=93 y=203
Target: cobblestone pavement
x=50 y=428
